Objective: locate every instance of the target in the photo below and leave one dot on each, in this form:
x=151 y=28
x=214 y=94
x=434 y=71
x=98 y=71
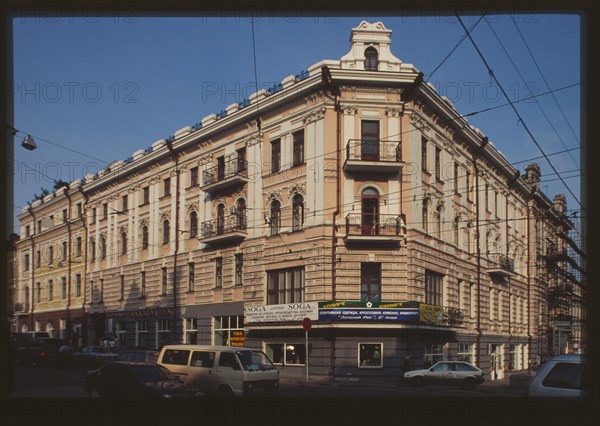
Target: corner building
x=359 y=198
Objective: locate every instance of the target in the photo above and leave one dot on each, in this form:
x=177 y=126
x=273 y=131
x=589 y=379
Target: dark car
x=136 y=380
x=94 y=356
x=135 y=355
x=46 y=352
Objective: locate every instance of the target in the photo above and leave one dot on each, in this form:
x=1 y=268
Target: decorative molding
x=154 y=180
x=296 y=188
x=349 y=109
x=253 y=140
x=272 y=195
x=144 y=221
x=394 y=111
x=134 y=188
x=315 y=115
x=191 y=207
x=165 y=215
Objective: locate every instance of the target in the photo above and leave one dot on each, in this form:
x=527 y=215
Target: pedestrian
x=404 y=368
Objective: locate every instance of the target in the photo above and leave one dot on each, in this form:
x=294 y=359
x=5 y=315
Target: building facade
x=351 y=194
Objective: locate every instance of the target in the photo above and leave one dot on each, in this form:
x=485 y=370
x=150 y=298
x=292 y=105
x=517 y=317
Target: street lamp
x=28 y=142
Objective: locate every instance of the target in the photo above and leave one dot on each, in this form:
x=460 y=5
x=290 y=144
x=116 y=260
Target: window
x=122 y=283
x=297 y=212
x=64 y=215
x=465 y=353
x=101 y=290
x=105 y=211
x=194 y=176
x=39 y=291
x=78 y=247
x=26 y=263
x=424 y=216
x=487 y=193
x=275 y=156
x=204 y=359
x=26 y=299
x=190 y=333
x=163 y=332
x=39 y=226
x=438 y=165
x=164 y=281
x=239 y=269
x=456 y=178
x=370 y=282
x=369 y=355
x=166 y=232
x=102 y=248
x=241 y=214
x=50 y=254
x=79 y=211
x=456 y=230
x=176 y=357
x=492 y=306
x=191 y=273
x=93 y=215
x=565 y=376
x=124 y=203
x=38 y=258
x=77 y=285
x=369 y=135
x=27 y=231
x=166 y=187
x=298 y=148
x=92 y=250
x=468 y=184
x=64 y=287
x=193 y=225
x=50 y=290
x=286 y=353
x=433 y=288
x=143 y=284
x=123 y=243
x=146 y=195
x=241 y=160
x=423 y=154
x=496 y=203
x=438 y=222
x=371 y=59
x=141 y=334
x=275 y=221
x=144 y=237
x=433 y=354
x=227 y=328
x=285 y=286
x=219 y=272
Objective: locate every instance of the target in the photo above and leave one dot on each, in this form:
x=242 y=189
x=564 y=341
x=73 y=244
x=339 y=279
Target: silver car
x=457 y=373
x=559 y=376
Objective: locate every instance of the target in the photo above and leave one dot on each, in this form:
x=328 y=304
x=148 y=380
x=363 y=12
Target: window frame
x=276 y=155
x=298 y=148
x=434 y=288
x=276 y=294
x=369 y=362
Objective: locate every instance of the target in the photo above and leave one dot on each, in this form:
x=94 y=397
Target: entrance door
x=220 y=219
x=370 y=140
x=370 y=212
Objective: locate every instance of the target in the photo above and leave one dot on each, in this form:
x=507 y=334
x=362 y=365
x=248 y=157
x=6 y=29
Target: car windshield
x=255 y=361
x=152 y=373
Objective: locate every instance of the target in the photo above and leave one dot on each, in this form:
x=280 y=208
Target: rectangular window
x=64 y=250
x=423 y=154
x=241 y=160
x=64 y=287
x=239 y=269
x=433 y=354
x=101 y=299
x=219 y=272
x=141 y=334
x=26 y=263
x=64 y=215
x=425 y=214
x=275 y=156
x=39 y=291
x=92 y=291
x=191 y=277
x=190 y=331
x=369 y=355
x=163 y=332
x=194 y=176
x=465 y=353
x=164 y=281
x=298 y=148
x=487 y=193
x=38 y=258
x=105 y=211
x=456 y=178
x=438 y=163
x=78 y=247
x=369 y=140
x=122 y=283
x=50 y=290
x=27 y=231
x=77 y=285
x=94 y=215
x=50 y=255
x=143 y=284
x=39 y=226
x=370 y=282
x=79 y=211
x=167 y=187
x=496 y=203
x=124 y=203
x=433 y=288
x=289 y=353
x=146 y=195
x=285 y=286
x=228 y=330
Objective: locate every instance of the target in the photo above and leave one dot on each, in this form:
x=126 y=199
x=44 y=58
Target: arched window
x=241 y=214
x=144 y=237
x=275 y=222
x=193 y=225
x=102 y=248
x=123 y=243
x=220 y=219
x=370 y=211
x=166 y=232
x=371 y=59
x=297 y=212
x=92 y=250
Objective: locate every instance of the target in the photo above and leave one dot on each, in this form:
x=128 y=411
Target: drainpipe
x=85 y=263
x=33 y=266
x=69 y=252
x=176 y=159
x=484 y=142
x=529 y=337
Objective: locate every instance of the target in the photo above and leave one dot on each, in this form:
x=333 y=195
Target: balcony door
x=220 y=219
x=370 y=212
x=369 y=148
x=220 y=168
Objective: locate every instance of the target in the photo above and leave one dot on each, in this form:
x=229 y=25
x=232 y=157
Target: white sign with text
x=285 y=312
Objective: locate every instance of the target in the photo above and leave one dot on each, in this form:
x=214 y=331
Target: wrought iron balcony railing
x=224 y=228
x=501 y=264
x=374 y=150
x=364 y=227
x=232 y=171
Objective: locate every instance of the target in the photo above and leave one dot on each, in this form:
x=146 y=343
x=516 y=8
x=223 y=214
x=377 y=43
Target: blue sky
x=108 y=87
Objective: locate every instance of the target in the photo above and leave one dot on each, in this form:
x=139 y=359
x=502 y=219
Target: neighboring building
x=360 y=199
x=51 y=256
x=12 y=276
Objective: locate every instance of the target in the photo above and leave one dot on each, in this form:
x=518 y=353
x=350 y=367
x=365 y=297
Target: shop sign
x=143 y=313
x=369 y=314
x=431 y=313
x=359 y=304
x=238 y=338
x=281 y=313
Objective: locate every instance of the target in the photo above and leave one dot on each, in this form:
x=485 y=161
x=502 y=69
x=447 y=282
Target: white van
x=224 y=370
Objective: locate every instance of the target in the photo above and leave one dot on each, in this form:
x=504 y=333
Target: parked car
x=135 y=380
x=138 y=356
x=45 y=352
x=559 y=376
x=457 y=373
x=94 y=356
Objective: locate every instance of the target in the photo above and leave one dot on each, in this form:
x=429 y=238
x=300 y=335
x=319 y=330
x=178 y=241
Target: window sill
x=165 y=196
x=144 y=204
x=194 y=185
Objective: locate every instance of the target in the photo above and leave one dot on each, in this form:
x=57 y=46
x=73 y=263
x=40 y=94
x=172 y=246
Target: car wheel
x=417 y=382
x=224 y=391
x=94 y=393
x=468 y=384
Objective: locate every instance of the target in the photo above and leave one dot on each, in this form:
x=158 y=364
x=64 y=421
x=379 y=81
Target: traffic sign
x=306 y=324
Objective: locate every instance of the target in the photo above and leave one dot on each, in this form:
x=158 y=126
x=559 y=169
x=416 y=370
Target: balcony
x=380 y=229
x=223 y=176
x=224 y=230
x=373 y=156
x=501 y=266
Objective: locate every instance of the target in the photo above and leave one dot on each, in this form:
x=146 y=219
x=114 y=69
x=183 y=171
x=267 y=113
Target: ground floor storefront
x=61 y=324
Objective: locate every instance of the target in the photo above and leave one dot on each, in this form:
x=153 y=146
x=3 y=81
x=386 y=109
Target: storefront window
x=163 y=333
x=514 y=358
x=121 y=327
x=433 y=354
x=286 y=353
x=225 y=326
x=369 y=354
x=190 y=333
x=465 y=353
x=142 y=337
